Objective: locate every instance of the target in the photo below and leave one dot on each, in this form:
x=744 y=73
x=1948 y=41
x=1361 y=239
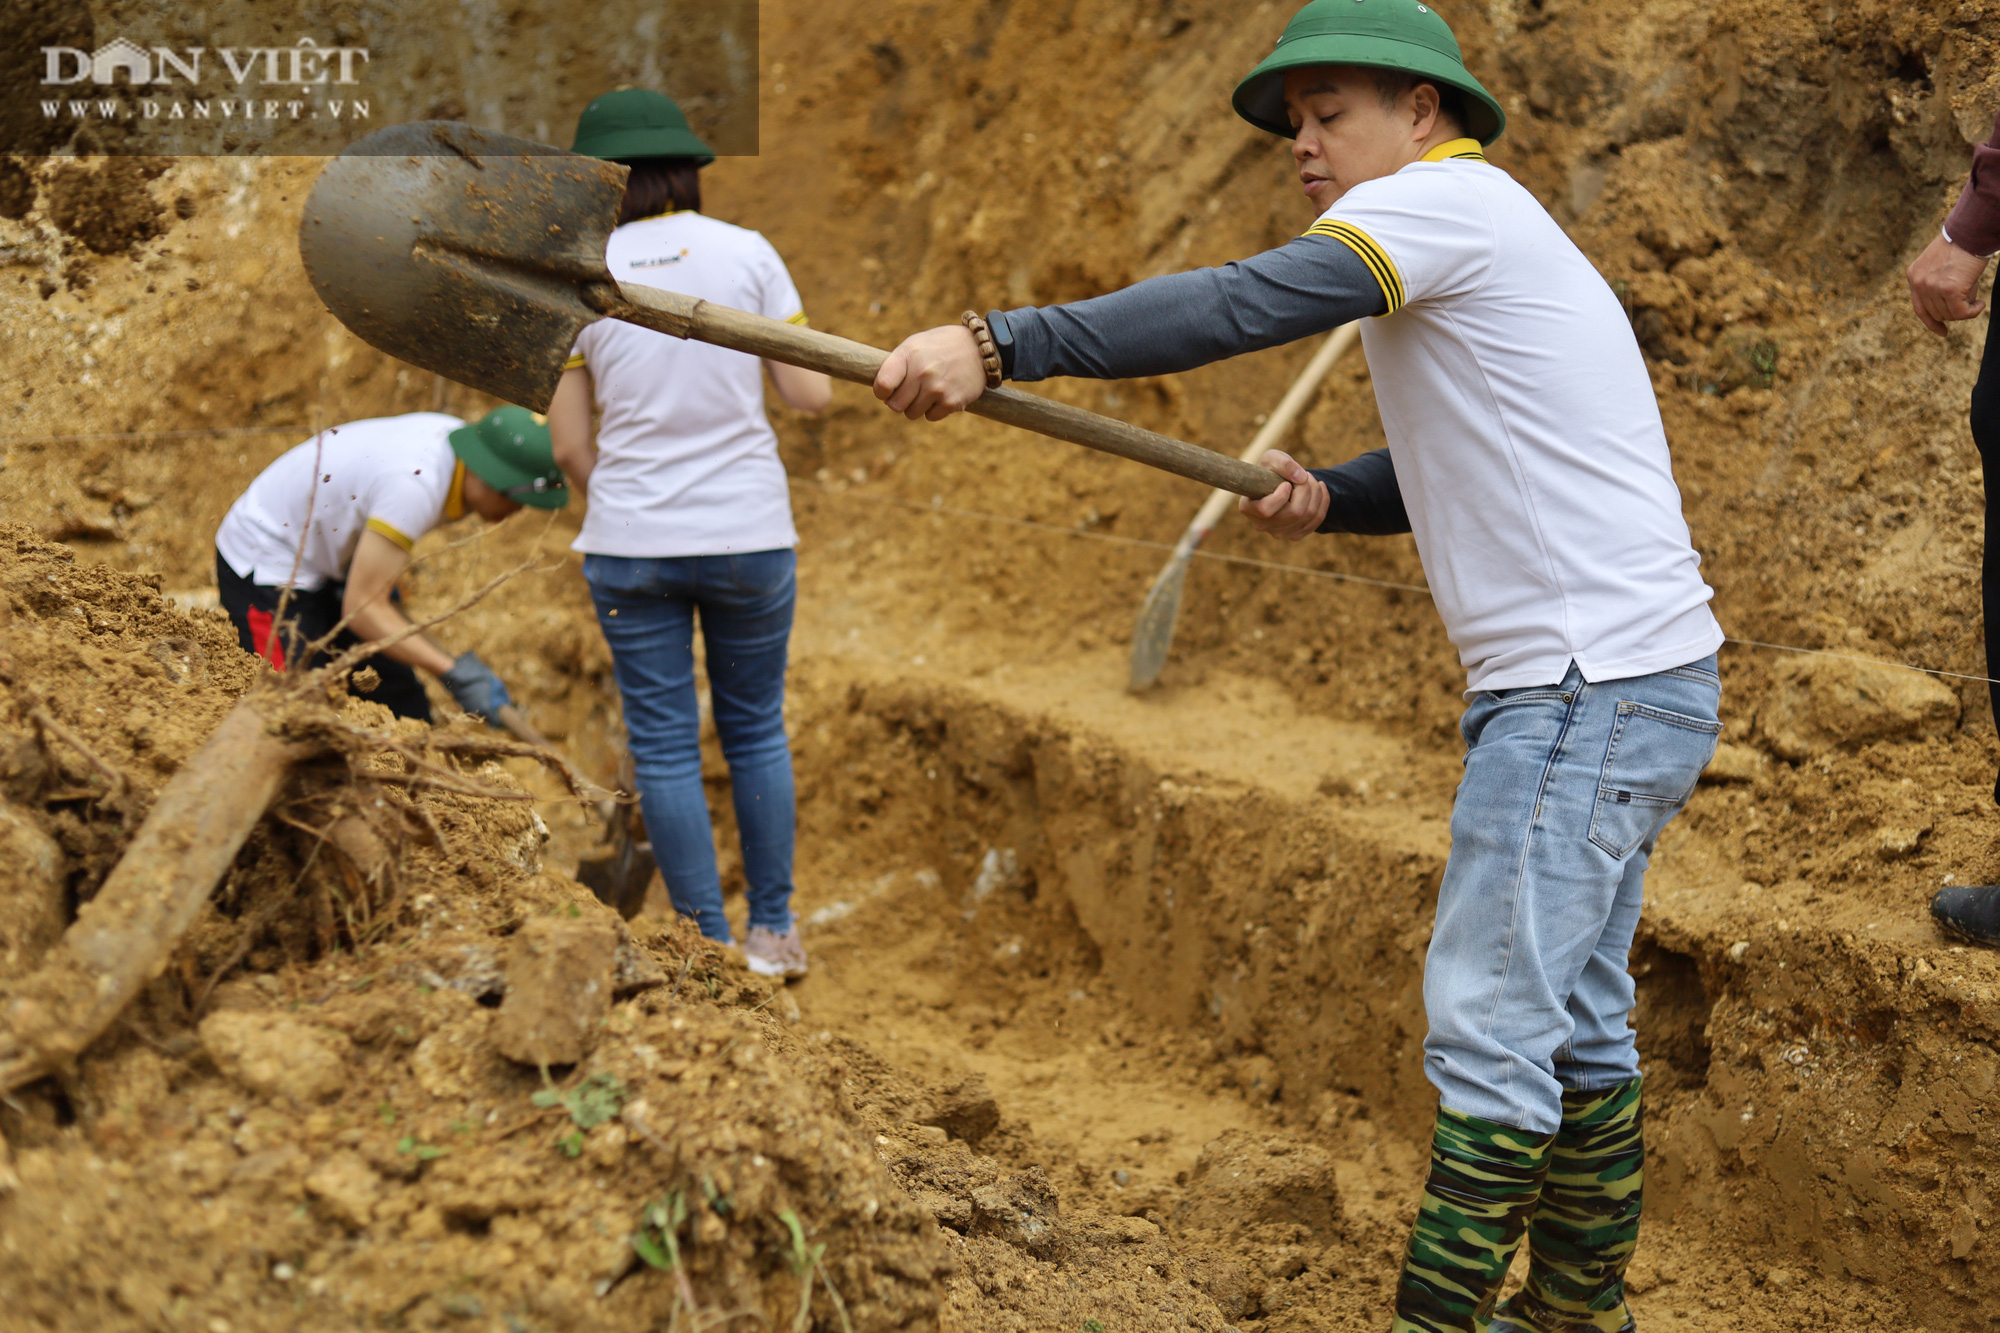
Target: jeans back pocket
x=1650 y=768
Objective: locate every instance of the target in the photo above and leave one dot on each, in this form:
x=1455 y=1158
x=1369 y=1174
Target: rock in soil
x=966 y=1110
x=1243 y=1179
x=1021 y=1210
x=1819 y=703
x=559 y=974
x=347 y=1187
x=277 y=1056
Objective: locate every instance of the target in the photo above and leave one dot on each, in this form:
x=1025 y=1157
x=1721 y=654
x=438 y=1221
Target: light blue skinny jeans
x=1566 y=789
x=647 y=609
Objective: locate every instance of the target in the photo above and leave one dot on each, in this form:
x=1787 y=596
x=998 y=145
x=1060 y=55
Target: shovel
x=619 y=879
x=480 y=257
x=1153 y=633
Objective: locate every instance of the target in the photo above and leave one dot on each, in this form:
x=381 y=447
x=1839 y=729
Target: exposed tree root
x=123 y=937
x=126 y=934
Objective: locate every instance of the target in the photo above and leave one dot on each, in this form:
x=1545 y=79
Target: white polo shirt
x=392 y=475
x=687 y=462
x=1527 y=441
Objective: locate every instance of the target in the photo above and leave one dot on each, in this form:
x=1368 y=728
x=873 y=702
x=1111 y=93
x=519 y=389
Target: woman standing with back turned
x=689 y=514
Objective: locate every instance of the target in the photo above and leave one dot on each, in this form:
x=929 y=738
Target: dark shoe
x=1969 y=911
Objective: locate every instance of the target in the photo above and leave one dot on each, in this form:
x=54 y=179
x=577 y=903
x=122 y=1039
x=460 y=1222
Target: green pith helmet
x=509 y=449
x=1407 y=35
x=637 y=122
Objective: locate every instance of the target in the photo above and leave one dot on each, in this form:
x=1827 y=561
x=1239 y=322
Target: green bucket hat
x=626 y=123
x=509 y=449
x=1406 y=35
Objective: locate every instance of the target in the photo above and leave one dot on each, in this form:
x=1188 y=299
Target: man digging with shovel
x=1528 y=451
x=334 y=520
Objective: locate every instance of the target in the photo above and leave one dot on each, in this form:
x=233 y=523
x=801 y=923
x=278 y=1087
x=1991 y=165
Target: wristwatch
x=1003 y=341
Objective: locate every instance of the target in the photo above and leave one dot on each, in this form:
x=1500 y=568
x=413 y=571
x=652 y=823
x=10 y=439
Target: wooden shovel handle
x=843 y=358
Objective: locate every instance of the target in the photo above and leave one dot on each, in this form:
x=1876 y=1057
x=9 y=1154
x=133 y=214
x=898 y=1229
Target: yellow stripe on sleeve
x=1374 y=256
x=388 y=530
x=575 y=361
x=799 y=319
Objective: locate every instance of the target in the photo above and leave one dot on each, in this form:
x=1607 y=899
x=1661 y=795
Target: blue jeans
x=1566 y=789
x=647 y=611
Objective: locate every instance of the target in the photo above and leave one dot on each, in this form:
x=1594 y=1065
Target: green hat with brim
x=1405 y=35
x=509 y=449
x=629 y=123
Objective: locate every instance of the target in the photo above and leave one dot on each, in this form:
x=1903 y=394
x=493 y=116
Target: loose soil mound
x=312 y=1102
x=1115 y=1015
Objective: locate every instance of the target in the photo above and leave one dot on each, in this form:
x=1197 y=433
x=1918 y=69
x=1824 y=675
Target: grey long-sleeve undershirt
x=1184 y=320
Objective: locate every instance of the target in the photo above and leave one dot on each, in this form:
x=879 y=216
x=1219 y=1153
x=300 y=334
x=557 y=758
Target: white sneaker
x=771 y=954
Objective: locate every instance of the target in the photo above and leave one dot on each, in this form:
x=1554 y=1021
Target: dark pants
x=1986 y=435
x=308 y=616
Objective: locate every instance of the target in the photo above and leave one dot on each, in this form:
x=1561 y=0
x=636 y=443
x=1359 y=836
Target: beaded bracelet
x=989 y=355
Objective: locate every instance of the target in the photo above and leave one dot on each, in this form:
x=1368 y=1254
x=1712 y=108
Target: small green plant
x=803 y=1260
x=386 y=1113
x=1764 y=361
x=1092 y=1326
x=807 y=1262
x=571 y=1144
x=590 y=1103
x=409 y=1146
x=718 y=1203
x=657 y=1240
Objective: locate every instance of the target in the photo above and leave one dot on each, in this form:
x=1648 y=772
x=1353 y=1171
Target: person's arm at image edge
x=1944 y=280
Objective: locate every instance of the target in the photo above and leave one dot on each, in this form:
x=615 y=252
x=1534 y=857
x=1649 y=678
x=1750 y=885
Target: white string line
x=937 y=508
x=1019 y=523
x=1872 y=661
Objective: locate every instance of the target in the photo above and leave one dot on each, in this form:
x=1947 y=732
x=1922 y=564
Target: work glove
x=476 y=689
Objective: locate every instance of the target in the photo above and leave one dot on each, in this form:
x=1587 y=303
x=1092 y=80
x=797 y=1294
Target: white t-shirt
x=392 y=475
x=687 y=462
x=1527 y=441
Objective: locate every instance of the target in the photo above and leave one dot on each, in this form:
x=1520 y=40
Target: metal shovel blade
x=463 y=251
x=620 y=880
x=1153 y=633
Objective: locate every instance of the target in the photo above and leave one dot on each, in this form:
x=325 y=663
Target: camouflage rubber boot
x=1484 y=1181
x=1587 y=1223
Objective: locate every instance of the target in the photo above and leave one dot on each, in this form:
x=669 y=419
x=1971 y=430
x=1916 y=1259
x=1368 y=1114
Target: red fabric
x=1975 y=224
x=269 y=646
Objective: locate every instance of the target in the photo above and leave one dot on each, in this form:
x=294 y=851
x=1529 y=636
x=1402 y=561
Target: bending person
x=334 y=519
x=689 y=515
x=1530 y=458
x=1944 y=288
